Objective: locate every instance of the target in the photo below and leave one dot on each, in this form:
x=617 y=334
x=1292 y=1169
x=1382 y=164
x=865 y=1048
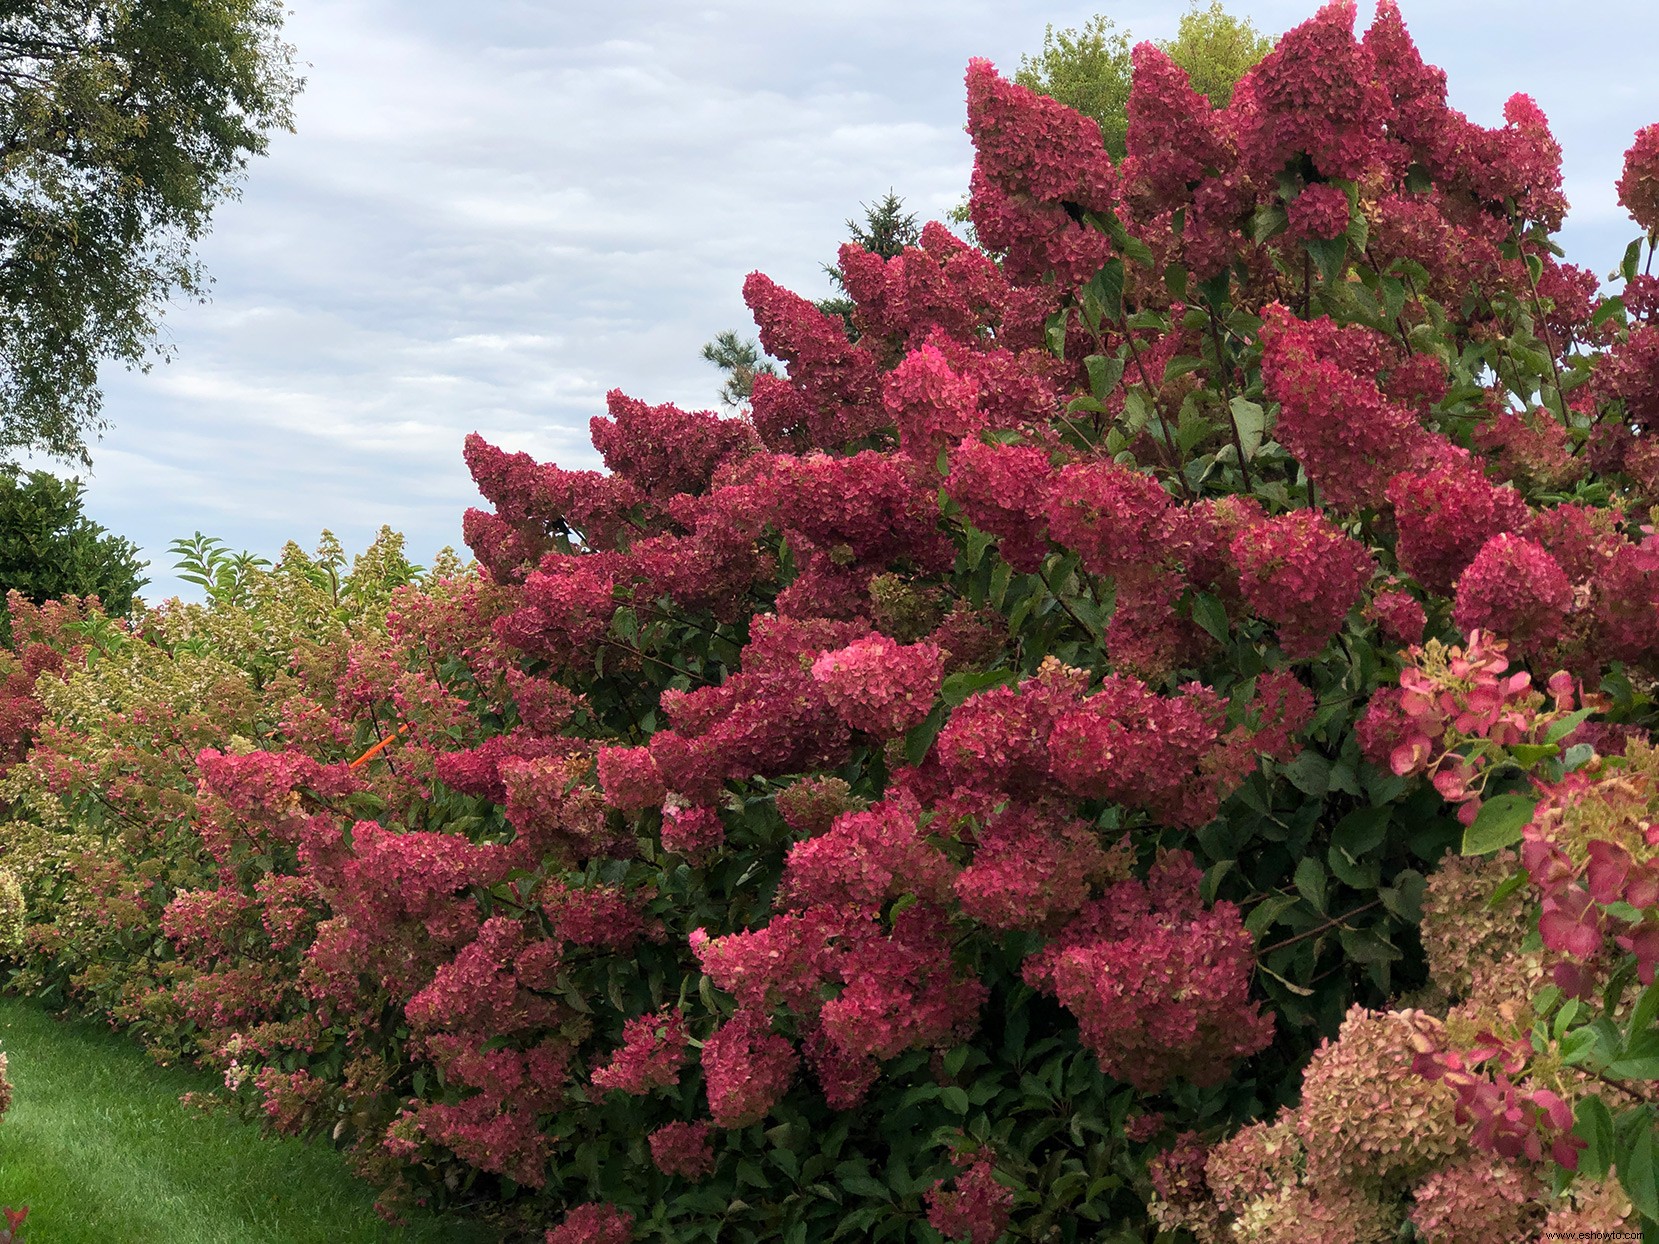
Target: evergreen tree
x=886 y=230
x=740 y=360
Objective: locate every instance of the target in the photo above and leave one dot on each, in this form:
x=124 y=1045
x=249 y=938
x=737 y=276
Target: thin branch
x=1332 y=923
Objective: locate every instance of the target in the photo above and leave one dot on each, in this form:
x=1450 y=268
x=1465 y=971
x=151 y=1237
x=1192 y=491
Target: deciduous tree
x=122 y=126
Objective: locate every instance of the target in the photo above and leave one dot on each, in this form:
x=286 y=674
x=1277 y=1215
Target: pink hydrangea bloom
x=1160 y=986
x=747 y=1068
x=1303 y=575
x=652 y=1052
x=594 y=1224
x=976 y=1210
x=1639 y=183
x=1108 y=514
x=881 y=686
x=1514 y=589
x=682 y=1149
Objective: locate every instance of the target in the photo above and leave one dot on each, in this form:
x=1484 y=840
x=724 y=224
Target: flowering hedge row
x=961 y=796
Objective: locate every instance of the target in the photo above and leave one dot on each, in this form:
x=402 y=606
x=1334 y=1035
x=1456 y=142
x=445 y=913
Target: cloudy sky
x=492 y=213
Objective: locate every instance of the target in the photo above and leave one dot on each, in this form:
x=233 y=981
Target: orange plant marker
x=379 y=747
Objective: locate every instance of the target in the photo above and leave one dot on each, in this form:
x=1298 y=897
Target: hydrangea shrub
x=1000 y=786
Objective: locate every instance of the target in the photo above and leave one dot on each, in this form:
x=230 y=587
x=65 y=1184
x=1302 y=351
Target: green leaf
x=1330 y=256
x=1640 y=1059
x=1578 y=755
x=1637 y=1173
x=1355 y=837
x=1506 y=887
x=1251 y=421
x=1561 y=729
x=1367 y=946
x=954 y=1099
x=1211 y=614
x=1310 y=882
x=1105 y=290
x=1594 y=1126
x=1104 y=374
x=1644 y=1013
x=1054 y=332
x=919 y=740
x=1608 y=309
x=1405 y=897
x=1269 y=222
x=1499 y=823
x=1309 y=773
x=958 y=687
x=1264 y=913
x=1529 y=754
x=1632 y=257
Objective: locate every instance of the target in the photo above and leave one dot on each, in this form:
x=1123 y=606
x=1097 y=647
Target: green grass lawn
x=98 y=1146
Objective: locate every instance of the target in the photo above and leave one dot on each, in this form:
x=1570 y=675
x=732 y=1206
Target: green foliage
x=121 y=127
x=1089 y=69
x=206 y=562
x=49 y=548
x=1216 y=49
x=1086 y=70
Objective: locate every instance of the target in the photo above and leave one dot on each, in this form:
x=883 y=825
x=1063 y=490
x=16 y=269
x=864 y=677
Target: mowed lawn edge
x=100 y=1148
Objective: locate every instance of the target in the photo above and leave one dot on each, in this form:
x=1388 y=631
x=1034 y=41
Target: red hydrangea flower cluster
x=1171 y=141
x=880 y=686
x=1109 y=514
x=1164 y=754
x=1036 y=146
x=1592 y=844
x=1446 y=695
x=1398 y=615
x=568 y=606
x=594 y=1223
x=977 y=1209
x=1030 y=868
x=1160 y=986
x=1350 y=438
x=1515 y=589
x=1032 y=156
x=866 y=858
x=1300 y=573
x=663 y=450
x=997 y=740
x=902 y=992
x=1318 y=95
x=1445 y=515
x=747 y=1068
x=683 y=1149
x=1320 y=212
x=652 y=1051
x=1639 y=183
x=839 y=380
x=931 y=405
x=1001 y=489
x=772 y=717
x=602 y=916
x=692 y=832
x=535 y=501
x=1508 y=1122
x=944 y=285
x=484 y=988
